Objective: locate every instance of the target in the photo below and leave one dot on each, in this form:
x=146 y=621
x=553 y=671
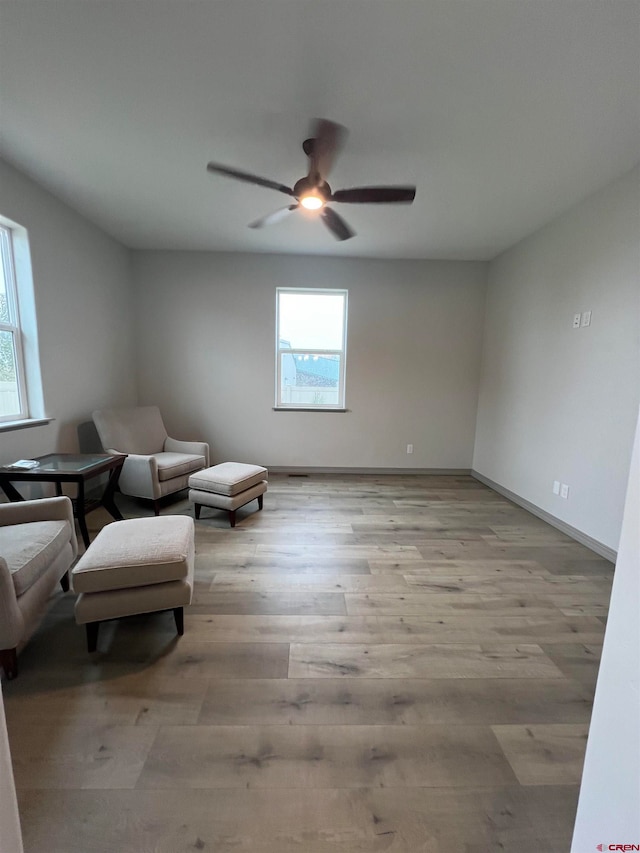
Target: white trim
x=573 y=532
x=13 y=325
x=417 y=472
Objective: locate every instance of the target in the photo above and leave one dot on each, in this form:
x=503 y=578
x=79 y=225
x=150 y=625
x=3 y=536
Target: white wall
x=557 y=403
x=83 y=303
x=609 y=805
x=206 y=335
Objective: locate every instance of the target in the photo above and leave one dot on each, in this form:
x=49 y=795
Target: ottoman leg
x=9 y=662
x=260 y=501
x=232 y=517
x=92 y=636
x=178 y=615
x=196 y=510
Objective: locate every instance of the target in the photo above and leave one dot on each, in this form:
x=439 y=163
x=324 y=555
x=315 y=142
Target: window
x=311 y=348
x=13 y=391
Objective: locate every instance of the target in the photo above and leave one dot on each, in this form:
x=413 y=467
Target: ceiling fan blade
x=336 y=224
x=248 y=178
x=276 y=216
x=375 y=195
x=328 y=139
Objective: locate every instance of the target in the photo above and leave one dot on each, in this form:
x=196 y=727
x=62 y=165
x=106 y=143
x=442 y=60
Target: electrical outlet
x=576 y=321
x=564 y=491
x=409 y=448
x=586 y=318
x=556 y=487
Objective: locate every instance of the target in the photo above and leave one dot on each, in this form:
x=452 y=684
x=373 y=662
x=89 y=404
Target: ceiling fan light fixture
x=312 y=202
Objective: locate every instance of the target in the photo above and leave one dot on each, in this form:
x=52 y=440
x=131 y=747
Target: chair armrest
x=198 y=448
x=11 y=619
x=139 y=476
x=43 y=509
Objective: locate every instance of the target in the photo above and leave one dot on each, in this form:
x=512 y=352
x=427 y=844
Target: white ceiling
x=504 y=113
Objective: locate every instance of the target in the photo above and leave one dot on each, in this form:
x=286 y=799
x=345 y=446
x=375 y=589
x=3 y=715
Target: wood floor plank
x=139 y=698
x=362 y=702
x=280 y=567
x=440 y=629
x=432 y=661
x=414 y=604
x=546 y=754
x=374 y=552
x=463 y=566
x=324 y=757
x=580 y=586
x=509 y=819
x=306 y=584
x=81 y=755
x=279 y=603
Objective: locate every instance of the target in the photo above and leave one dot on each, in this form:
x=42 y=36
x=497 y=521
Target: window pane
x=309 y=380
x=312 y=320
x=9 y=394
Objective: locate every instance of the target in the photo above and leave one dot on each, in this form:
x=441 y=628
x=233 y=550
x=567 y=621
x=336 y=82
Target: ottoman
x=140 y=565
x=228 y=486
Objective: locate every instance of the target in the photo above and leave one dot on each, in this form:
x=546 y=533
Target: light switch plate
x=586 y=318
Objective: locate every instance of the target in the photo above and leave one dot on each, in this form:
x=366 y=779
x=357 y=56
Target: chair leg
x=232 y=517
x=92 y=636
x=64 y=582
x=9 y=662
x=156 y=507
x=178 y=615
x=260 y=502
x=196 y=509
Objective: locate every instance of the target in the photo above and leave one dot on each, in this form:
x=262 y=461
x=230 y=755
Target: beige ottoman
x=141 y=565
x=228 y=486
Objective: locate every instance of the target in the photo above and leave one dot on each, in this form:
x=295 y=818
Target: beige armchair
x=37 y=547
x=156 y=465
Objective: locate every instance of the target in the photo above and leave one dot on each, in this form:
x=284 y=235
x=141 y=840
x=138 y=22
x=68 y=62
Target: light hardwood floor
x=398 y=664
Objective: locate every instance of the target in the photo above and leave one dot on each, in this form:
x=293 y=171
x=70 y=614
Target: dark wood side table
x=75 y=468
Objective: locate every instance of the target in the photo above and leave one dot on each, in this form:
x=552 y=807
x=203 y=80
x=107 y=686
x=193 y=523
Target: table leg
x=10 y=490
x=107 y=500
x=82 y=522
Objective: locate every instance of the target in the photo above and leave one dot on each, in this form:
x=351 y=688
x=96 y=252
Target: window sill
x=306 y=409
x=25 y=424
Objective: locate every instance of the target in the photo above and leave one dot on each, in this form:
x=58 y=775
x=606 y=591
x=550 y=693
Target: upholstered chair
x=37 y=547
x=156 y=465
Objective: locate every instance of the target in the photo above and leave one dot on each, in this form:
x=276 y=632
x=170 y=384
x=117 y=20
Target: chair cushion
x=136 y=552
x=172 y=465
x=30 y=548
x=228 y=478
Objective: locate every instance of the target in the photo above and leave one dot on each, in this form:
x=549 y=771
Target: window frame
x=12 y=325
x=342 y=353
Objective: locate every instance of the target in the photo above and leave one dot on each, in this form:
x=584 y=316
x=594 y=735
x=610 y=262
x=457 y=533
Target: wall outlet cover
x=576 y=321
x=564 y=491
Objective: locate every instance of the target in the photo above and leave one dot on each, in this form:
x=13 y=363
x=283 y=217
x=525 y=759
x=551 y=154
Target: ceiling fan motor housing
x=307 y=185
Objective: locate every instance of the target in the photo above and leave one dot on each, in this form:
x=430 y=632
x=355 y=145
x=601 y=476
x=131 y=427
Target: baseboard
x=573 y=532
x=305 y=469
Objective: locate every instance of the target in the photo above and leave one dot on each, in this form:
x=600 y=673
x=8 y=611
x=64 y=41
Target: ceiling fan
x=312 y=191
